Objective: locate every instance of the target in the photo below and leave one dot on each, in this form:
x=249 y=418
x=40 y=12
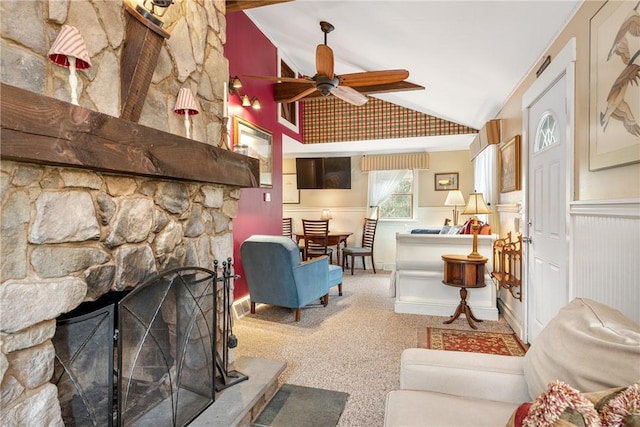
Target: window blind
x=394 y=162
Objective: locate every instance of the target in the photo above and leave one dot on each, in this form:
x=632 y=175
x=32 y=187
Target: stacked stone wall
x=70 y=235
x=192 y=57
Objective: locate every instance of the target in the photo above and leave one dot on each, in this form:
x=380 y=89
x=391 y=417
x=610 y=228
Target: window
x=396 y=189
x=547 y=133
x=288 y=111
x=288 y=114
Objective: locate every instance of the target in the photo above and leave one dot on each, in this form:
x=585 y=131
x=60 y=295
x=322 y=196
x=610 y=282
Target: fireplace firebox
x=143 y=357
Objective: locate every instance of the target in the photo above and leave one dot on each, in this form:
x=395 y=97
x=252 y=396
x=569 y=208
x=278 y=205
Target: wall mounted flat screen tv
x=323 y=173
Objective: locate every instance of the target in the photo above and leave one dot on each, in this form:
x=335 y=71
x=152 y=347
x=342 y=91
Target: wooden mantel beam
x=38 y=129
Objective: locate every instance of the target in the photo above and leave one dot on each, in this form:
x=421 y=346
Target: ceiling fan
x=325 y=82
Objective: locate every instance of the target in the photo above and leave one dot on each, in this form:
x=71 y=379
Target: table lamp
x=475 y=206
x=455 y=199
x=186 y=106
x=326 y=214
x=69 y=50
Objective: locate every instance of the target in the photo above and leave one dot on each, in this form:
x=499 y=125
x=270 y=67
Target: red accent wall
x=250 y=52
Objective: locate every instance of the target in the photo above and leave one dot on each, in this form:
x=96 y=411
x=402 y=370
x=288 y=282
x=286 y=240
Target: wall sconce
x=455 y=199
x=234 y=89
x=69 y=50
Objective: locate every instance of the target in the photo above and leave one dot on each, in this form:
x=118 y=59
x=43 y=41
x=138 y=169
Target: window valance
x=394 y=162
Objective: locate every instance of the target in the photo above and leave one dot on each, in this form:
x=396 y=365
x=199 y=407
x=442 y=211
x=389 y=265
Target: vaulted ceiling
x=469 y=55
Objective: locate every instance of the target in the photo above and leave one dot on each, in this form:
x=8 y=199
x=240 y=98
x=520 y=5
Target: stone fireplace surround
x=90 y=201
x=72 y=232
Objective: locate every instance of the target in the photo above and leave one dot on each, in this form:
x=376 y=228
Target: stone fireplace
x=71 y=235
x=92 y=203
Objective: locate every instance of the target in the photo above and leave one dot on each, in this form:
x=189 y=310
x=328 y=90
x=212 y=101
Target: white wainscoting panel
x=605 y=264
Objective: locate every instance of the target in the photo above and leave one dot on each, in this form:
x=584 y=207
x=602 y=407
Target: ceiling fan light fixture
x=326 y=85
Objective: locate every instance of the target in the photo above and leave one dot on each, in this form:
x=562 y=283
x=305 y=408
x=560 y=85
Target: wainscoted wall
x=605 y=254
x=604 y=249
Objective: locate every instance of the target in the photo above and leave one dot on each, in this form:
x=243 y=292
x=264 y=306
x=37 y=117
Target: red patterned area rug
x=471 y=341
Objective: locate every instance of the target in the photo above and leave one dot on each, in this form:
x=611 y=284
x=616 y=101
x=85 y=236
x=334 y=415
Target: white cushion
x=588 y=345
x=488 y=376
x=406 y=408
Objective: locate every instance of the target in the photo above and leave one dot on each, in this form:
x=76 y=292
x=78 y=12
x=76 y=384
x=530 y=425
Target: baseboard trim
x=512 y=320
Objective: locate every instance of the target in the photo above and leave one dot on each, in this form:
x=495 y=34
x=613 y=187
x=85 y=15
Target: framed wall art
x=257 y=143
x=614 y=104
x=290 y=192
x=509 y=165
x=446 y=181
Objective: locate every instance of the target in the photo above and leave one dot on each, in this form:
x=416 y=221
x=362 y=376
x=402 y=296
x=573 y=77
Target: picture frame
x=446 y=181
x=509 y=165
x=256 y=142
x=290 y=192
x=614 y=136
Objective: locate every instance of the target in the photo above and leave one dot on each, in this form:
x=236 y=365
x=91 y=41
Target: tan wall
x=588 y=185
x=439 y=162
x=443 y=162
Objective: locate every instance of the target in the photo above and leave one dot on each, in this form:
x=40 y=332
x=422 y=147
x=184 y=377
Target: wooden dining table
x=335 y=239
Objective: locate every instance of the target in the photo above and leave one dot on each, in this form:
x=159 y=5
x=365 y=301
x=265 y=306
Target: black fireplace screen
x=165 y=352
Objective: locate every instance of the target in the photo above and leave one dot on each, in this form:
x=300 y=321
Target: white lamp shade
x=69 y=43
x=186 y=103
x=454 y=198
x=326 y=214
x=476 y=205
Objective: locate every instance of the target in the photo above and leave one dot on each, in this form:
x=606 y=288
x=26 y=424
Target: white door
x=547 y=190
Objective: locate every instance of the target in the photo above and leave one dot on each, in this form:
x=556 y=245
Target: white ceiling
x=469 y=55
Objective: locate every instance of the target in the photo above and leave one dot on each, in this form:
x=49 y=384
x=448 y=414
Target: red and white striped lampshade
x=185 y=104
x=70 y=43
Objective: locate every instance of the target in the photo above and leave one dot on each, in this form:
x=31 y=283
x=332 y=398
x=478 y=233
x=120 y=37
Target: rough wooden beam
x=284 y=91
x=38 y=129
x=236 y=5
x=142 y=45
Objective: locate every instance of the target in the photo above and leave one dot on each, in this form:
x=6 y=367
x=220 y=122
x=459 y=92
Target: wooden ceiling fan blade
x=280 y=79
x=324 y=61
x=369 y=78
x=301 y=95
x=350 y=95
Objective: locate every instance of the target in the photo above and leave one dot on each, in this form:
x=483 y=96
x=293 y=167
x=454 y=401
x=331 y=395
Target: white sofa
x=419 y=272
x=589 y=346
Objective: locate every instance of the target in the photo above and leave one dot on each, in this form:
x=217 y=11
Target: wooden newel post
x=143 y=41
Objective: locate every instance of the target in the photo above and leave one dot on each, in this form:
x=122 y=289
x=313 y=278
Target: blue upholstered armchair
x=276 y=275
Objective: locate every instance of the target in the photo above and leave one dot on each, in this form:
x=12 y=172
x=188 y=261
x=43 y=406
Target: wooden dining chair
x=287 y=230
x=316 y=238
x=366 y=249
x=287 y=227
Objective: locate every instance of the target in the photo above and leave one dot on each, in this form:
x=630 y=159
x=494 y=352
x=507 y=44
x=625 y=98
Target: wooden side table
x=464 y=273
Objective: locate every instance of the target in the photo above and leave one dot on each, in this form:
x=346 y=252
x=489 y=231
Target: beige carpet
x=353 y=345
